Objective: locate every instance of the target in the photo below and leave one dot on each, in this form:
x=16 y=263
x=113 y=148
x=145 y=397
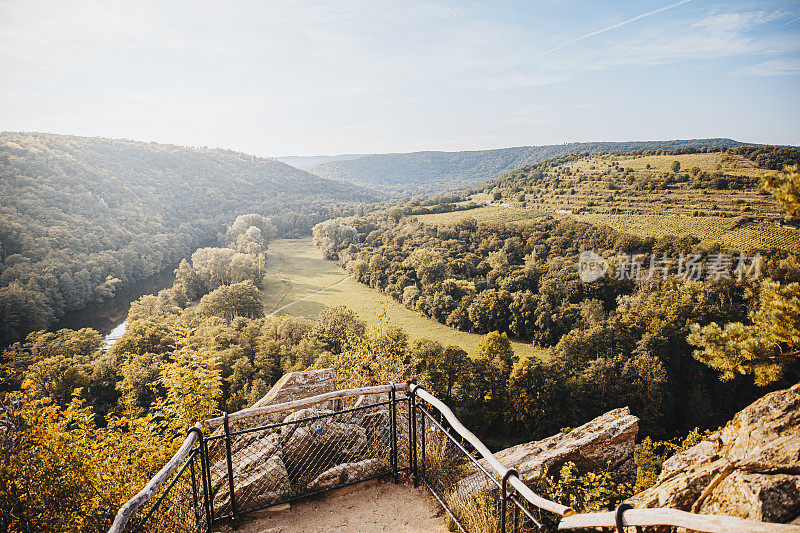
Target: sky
x=277 y=78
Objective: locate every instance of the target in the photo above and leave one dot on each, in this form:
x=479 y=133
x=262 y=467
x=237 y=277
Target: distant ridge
x=304 y=162
x=429 y=172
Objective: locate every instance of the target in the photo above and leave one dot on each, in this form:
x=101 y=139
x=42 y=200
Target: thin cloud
x=514 y=81
x=784 y=66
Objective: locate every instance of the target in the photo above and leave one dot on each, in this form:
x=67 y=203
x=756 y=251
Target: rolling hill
x=431 y=172
x=304 y=162
x=81 y=216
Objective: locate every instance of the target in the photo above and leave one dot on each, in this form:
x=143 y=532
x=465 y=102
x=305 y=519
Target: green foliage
x=766 y=348
x=378 y=357
x=587 y=492
x=786 y=189
x=332 y=237
x=231 y=301
x=192 y=383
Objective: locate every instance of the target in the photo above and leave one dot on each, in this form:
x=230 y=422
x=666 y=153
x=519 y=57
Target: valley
x=301 y=264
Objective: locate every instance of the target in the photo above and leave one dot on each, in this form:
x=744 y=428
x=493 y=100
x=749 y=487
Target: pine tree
x=786 y=189
x=766 y=348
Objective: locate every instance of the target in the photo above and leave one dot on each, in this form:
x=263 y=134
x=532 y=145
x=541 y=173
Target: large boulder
x=749 y=469
x=345 y=473
x=259 y=477
x=292 y=386
x=604 y=444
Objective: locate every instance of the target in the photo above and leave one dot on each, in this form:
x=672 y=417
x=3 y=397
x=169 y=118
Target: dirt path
x=307 y=296
x=367 y=507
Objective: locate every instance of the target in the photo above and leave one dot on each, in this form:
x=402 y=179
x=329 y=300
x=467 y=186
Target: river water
x=108 y=318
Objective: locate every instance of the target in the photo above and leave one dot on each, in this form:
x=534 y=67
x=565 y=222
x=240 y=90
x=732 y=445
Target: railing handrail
x=673 y=517
x=304 y=402
x=570 y=520
x=126 y=511
x=500 y=468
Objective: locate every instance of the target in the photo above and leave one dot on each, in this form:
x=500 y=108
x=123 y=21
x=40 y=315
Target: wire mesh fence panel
x=178 y=506
x=310 y=450
x=217 y=476
x=464 y=487
x=403 y=434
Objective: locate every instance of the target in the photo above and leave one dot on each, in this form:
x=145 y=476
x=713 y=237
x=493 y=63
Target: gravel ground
x=367 y=507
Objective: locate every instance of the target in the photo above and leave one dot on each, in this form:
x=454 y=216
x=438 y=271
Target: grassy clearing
x=304 y=271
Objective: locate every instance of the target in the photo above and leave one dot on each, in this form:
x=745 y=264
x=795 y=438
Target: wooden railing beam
x=673 y=517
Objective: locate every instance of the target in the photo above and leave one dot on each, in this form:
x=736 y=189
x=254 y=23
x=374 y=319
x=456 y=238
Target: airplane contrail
x=609 y=28
x=794 y=20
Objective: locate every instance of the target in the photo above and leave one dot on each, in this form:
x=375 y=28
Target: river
x=109 y=317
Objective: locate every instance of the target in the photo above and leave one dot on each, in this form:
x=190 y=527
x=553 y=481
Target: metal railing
x=479 y=493
x=174 y=499
x=310 y=451
x=267 y=456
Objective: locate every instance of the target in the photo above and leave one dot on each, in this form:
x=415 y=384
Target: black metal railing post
x=412 y=429
x=207 y=484
x=393 y=432
x=231 y=491
x=202 y=451
x=516 y=518
x=422 y=446
x=504 y=498
x=194 y=490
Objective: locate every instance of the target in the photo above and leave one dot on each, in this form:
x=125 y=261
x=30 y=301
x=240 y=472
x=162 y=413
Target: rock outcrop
x=299 y=385
x=311 y=447
x=749 y=469
x=259 y=471
x=260 y=477
x=344 y=473
x=604 y=444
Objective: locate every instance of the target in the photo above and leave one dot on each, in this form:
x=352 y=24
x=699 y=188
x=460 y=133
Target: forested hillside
x=81 y=216
x=630 y=335
x=428 y=172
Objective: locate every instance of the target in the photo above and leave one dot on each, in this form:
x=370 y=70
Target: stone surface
x=299 y=385
x=370 y=399
x=266 y=481
x=749 y=469
x=603 y=444
x=316 y=445
x=345 y=473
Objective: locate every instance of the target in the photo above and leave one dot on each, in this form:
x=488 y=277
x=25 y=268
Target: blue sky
x=302 y=78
